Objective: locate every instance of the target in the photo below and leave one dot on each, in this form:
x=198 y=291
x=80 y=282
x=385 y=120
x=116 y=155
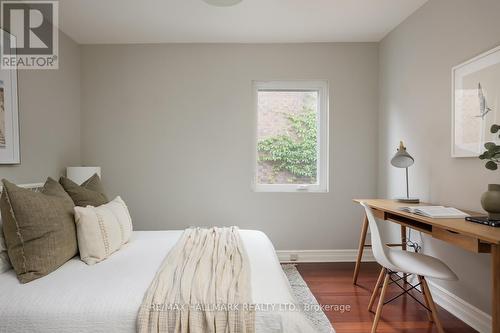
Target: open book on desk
x=435 y=212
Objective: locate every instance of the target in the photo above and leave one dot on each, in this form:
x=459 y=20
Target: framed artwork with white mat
x=9 y=114
x=475 y=103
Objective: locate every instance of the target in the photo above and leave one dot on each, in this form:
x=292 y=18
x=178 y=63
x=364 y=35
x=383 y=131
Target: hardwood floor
x=331 y=284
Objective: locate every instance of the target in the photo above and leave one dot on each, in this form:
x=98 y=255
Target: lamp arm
x=407 y=185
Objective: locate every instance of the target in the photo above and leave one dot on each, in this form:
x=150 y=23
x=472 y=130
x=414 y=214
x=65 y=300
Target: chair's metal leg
x=432 y=306
x=424 y=294
x=380 y=302
x=375 y=290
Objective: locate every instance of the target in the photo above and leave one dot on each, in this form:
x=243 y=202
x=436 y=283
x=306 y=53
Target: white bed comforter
x=106 y=297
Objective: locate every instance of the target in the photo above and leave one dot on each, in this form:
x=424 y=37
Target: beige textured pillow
x=4 y=257
x=39 y=228
x=89 y=193
x=102 y=230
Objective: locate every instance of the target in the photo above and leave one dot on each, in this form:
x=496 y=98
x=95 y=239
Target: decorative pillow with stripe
x=38 y=227
x=4 y=257
x=102 y=230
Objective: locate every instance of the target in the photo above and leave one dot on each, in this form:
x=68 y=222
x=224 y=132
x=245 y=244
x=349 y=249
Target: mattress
x=106 y=297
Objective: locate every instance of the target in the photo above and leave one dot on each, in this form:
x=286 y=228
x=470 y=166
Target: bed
x=106 y=297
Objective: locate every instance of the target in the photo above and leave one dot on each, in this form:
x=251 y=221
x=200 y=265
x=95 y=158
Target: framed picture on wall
x=9 y=116
x=475 y=103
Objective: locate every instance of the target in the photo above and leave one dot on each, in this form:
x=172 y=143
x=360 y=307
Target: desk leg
x=403 y=247
x=362 y=239
x=495 y=268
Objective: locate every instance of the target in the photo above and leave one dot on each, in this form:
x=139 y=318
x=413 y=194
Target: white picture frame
x=9 y=113
x=475 y=102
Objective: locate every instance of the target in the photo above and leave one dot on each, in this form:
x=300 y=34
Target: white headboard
x=35 y=186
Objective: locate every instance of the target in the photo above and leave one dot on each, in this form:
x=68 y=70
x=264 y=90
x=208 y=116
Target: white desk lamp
x=404 y=160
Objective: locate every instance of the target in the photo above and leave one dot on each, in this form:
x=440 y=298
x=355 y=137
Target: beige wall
x=415 y=105
x=49 y=116
x=173 y=128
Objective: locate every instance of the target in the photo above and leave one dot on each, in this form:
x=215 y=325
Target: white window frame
x=323 y=126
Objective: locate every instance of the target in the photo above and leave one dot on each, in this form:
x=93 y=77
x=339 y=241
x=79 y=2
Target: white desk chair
x=395 y=261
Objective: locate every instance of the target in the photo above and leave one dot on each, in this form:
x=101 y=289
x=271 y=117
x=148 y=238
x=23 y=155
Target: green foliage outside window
x=297 y=151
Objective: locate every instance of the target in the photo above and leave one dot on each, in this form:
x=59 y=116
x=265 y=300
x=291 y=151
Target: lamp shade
x=402 y=159
x=81 y=174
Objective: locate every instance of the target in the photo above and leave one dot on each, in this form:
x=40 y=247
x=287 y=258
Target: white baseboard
x=468 y=313
x=455 y=305
x=323 y=255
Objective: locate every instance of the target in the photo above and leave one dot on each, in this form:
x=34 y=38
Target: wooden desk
x=470 y=236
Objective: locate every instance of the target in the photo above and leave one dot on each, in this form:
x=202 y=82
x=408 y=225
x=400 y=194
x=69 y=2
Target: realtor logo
x=30 y=34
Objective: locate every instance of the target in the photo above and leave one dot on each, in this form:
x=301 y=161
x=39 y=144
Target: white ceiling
x=251 y=21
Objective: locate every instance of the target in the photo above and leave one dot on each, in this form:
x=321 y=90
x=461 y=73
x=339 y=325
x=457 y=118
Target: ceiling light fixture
x=223 y=3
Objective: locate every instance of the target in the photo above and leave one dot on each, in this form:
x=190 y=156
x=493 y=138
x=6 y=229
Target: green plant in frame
x=295 y=152
x=492 y=153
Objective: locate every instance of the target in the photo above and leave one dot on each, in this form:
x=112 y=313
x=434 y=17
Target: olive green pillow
x=90 y=193
x=39 y=228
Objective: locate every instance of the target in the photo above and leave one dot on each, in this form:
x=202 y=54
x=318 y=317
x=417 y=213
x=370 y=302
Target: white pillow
x=4 y=257
x=102 y=230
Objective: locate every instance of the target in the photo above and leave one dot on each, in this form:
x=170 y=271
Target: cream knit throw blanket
x=203 y=285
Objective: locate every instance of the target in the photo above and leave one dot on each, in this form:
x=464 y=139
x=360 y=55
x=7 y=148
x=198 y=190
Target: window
x=292 y=136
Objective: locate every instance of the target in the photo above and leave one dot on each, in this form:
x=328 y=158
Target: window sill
x=269 y=188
